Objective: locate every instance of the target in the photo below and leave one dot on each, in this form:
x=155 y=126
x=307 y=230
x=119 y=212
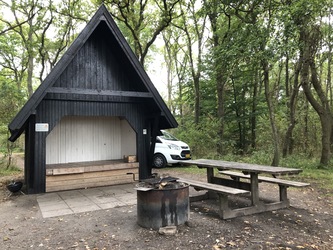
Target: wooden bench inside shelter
x=89 y=174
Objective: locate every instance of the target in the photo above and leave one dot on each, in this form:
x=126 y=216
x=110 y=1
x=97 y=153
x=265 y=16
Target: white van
x=169 y=150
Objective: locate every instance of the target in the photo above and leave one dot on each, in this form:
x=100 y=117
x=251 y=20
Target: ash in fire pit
x=159 y=183
x=162 y=202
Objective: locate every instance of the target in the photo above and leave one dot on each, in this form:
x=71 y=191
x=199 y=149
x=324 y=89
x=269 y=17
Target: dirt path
x=307 y=224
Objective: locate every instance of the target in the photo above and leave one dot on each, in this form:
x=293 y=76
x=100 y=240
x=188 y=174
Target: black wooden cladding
x=101 y=64
x=53 y=111
x=99 y=75
x=102 y=27
x=100 y=93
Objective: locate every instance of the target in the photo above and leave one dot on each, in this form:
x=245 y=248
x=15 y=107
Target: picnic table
x=252 y=173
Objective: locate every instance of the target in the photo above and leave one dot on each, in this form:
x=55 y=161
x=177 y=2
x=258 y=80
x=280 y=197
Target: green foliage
x=10 y=101
x=141 y=21
x=311 y=170
x=201 y=137
x=11 y=171
x=246 y=34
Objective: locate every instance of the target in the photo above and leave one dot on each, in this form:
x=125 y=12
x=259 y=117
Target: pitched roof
x=17 y=125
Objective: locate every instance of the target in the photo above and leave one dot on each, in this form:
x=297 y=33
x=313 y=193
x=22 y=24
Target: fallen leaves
x=6 y=238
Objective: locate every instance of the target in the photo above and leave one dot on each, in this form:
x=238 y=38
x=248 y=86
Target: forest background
x=246 y=80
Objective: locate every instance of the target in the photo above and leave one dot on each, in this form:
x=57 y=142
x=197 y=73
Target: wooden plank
x=130 y=158
x=54 y=188
x=254 y=183
x=231 y=183
x=54 y=183
x=108 y=167
x=214 y=187
x=233 y=213
x=95 y=98
x=101 y=92
x=61 y=171
x=84 y=167
x=84 y=181
x=94 y=174
x=267 y=179
x=254 y=168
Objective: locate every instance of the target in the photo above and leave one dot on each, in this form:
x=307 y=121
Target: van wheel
x=159 y=161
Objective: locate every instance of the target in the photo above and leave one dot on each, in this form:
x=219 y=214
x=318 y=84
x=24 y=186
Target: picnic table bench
x=222 y=191
x=288 y=183
x=252 y=174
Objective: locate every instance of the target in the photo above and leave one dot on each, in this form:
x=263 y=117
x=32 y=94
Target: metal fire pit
x=162 y=203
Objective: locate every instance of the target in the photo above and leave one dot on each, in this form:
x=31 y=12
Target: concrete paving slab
x=127 y=198
x=55 y=213
x=85 y=208
x=50 y=202
x=119 y=189
x=49 y=197
x=80 y=201
x=85 y=200
x=51 y=206
x=103 y=199
x=92 y=192
x=113 y=204
x=65 y=195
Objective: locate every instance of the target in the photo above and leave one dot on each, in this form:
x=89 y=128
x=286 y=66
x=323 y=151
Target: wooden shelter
x=96 y=107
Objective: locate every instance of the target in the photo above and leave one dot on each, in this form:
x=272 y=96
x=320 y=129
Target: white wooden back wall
x=80 y=139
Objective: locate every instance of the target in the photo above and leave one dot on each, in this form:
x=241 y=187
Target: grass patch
x=14 y=169
x=324 y=178
x=11 y=171
x=311 y=169
x=186 y=169
x=312 y=172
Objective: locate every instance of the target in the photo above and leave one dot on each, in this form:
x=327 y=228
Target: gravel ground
x=307 y=224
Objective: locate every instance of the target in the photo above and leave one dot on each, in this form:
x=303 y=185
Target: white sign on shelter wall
x=41 y=127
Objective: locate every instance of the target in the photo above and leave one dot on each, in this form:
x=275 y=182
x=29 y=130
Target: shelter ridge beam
x=78 y=91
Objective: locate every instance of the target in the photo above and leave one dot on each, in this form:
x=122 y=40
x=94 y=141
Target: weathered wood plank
x=71 y=186
x=81 y=91
x=94 y=174
x=267 y=179
x=84 y=167
x=246 y=167
x=214 y=187
x=86 y=180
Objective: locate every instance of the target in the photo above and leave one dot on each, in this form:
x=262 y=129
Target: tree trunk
x=196 y=81
x=219 y=74
x=326 y=124
x=288 y=140
x=309 y=39
x=30 y=60
x=254 y=110
x=220 y=111
x=276 y=156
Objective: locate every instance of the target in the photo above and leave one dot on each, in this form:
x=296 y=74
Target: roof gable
x=100 y=27
x=101 y=64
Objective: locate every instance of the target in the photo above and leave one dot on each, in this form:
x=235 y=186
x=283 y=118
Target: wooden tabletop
x=251 y=168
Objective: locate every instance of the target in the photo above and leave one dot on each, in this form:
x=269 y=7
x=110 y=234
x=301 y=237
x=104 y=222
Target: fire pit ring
x=168 y=206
